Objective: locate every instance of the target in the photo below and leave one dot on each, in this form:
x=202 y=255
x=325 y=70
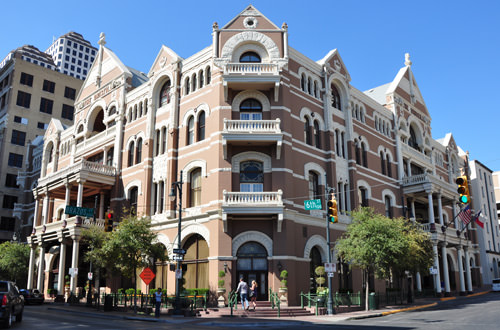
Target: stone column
x=67 y=198
x=37 y=221
x=419 y=282
x=437 y=277
x=101 y=205
x=408 y=168
x=46 y=202
x=74 y=262
x=446 y=275
x=79 y=200
x=31 y=268
x=461 y=270
x=440 y=210
x=41 y=272
x=62 y=268
x=467 y=270
x=454 y=212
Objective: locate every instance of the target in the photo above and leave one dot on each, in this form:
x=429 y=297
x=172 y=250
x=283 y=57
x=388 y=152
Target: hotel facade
x=252 y=128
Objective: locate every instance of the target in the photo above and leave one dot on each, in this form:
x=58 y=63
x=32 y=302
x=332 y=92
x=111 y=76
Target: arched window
x=190 y=131
x=303 y=82
x=140 y=109
x=162 y=196
x=201 y=126
x=99 y=125
x=193 y=83
x=195 y=191
x=337 y=142
x=50 y=150
x=363 y=196
x=157 y=146
x=388 y=206
x=364 y=154
x=196 y=261
x=358 y=153
x=336 y=102
x=138 y=151
x=112 y=111
x=389 y=167
x=165 y=93
x=314 y=192
x=382 y=162
x=133 y=193
x=412 y=141
x=209 y=75
x=251 y=176
x=134 y=113
x=163 y=140
x=317 y=135
x=252 y=264
x=251 y=109
x=309 y=87
x=187 y=86
x=342 y=137
x=201 y=78
x=315 y=89
x=131 y=151
x=250 y=57
x=307 y=131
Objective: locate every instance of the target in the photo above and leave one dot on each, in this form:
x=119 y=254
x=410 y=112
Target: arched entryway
x=196 y=261
x=451 y=273
x=252 y=265
x=315 y=262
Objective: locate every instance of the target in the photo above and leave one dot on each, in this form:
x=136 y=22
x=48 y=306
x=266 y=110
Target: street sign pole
x=329 y=305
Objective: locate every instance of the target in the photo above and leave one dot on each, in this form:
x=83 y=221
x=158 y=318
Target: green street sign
x=81 y=211
x=313 y=204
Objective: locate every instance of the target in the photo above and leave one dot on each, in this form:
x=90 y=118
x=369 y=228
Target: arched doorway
x=252 y=265
x=451 y=274
x=315 y=262
x=196 y=261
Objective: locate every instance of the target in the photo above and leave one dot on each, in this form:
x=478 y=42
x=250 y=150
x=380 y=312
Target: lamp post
x=177 y=187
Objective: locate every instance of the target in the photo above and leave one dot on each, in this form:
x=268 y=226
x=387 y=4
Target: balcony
x=415 y=155
x=252 y=132
x=449 y=235
x=50 y=231
x=96 y=141
x=427 y=182
x=90 y=171
x=252 y=204
x=239 y=76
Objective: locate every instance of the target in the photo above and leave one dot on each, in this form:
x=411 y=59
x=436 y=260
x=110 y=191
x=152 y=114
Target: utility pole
x=329 y=305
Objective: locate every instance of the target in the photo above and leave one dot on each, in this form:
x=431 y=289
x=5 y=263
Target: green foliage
x=95 y=237
x=320 y=271
x=375 y=242
x=221 y=283
x=320 y=280
x=121 y=290
x=284 y=283
x=130 y=291
x=222 y=274
x=14 y=260
x=52 y=291
x=284 y=274
x=322 y=291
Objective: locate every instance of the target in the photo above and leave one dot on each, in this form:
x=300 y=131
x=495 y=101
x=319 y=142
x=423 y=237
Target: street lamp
x=177 y=186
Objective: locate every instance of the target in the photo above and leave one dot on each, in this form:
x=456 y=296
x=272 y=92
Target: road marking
x=408 y=309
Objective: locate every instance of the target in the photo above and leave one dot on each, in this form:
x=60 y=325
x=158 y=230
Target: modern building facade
x=72 y=54
x=252 y=128
x=32 y=92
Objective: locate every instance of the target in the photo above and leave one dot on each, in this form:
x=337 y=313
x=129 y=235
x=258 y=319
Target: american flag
x=465 y=215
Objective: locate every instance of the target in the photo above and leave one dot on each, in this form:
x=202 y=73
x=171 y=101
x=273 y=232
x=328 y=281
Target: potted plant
x=66 y=286
x=221 y=289
x=284 y=281
x=320 y=280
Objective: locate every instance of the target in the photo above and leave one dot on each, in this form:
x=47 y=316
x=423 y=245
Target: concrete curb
x=391 y=312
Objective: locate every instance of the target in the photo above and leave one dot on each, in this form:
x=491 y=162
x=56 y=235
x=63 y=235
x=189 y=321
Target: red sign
x=147 y=275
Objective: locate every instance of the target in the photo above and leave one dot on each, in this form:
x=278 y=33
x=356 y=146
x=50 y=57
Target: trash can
x=108 y=303
x=372 y=301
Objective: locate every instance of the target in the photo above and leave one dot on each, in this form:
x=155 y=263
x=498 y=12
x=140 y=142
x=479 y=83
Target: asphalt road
x=481 y=312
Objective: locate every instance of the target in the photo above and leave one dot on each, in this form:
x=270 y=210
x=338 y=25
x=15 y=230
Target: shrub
x=121 y=290
x=222 y=274
x=221 y=283
x=130 y=291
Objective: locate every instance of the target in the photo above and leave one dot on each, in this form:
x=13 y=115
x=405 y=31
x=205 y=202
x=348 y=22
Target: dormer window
x=250 y=57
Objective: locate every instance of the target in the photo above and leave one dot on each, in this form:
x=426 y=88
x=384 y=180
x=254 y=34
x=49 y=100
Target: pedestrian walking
x=158 y=296
x=243 y=290
x=253 y=294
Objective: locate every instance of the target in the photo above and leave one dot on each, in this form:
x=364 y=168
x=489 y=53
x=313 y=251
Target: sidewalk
x=215 y=320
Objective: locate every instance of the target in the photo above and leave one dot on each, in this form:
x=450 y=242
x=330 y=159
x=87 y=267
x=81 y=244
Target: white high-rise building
x=72 y=54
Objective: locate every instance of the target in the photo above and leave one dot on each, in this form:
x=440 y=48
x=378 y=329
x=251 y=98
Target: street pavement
x=129 y=320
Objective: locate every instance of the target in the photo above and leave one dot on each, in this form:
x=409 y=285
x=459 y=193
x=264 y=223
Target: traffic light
x=463 y=189
x=108 y=222
x=332 y=209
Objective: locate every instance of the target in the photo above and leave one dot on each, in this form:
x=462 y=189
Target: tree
x=376 y=243
x=131 y=245
x=14 y=261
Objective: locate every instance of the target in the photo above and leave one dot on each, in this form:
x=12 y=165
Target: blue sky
x=454 y=45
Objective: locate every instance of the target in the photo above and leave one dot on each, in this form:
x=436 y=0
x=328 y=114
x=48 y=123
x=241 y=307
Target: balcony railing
x=415 y=179
x=57 y=225
x=416 y=153
x=251 y=68
x=96 y=140
x=252 y=126
x=82 y=166
x=252 y=198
